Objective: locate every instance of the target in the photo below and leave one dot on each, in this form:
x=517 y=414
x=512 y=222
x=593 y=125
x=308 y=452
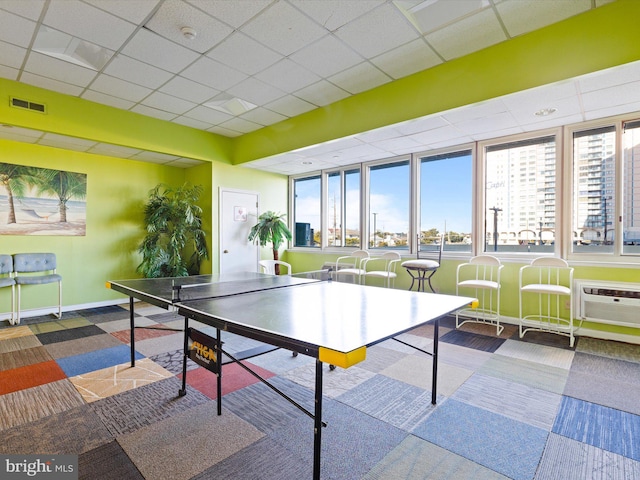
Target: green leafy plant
x=173 y=222
x=271 y=228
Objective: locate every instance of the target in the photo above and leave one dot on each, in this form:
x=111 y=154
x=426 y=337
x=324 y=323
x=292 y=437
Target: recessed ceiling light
x=231 y=105
x=545 y=112
x=71 y=49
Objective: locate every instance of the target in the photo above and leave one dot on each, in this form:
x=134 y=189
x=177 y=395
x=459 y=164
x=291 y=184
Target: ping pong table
x=332 y=322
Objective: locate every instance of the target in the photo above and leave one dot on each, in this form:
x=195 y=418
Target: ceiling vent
x=36 y=107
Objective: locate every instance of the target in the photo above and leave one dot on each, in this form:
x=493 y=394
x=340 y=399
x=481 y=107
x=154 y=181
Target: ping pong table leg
x=219 y=370
x=317 y=428
x=185 y=355
x=132 y=333
x=434 y=380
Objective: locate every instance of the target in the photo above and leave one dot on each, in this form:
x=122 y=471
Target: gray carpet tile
x=69 y=334
x=379 y=357
x=281 y=361
x=513 y=400
x=32 y=404
x=613 y=368
x=536 y=375
x=571 y=460
x=335 y=382
x=472 y=340
x=504 y=445
x=19 y=343
x=263 y=408
x=77 y=430
x=105 y=314
x=158 y=345
x=167 y=317
x=543 y=354
x=198 y=433
x=417 y=459
x=545 y=338
x=603 y=390
x=131 y=410
x=260 y=460
x=609 y=348
x=82 y=345
x=124 y=324
x=107 y=462
x=399 y=404
x=56 y=325
x=21 y=358
x=467 y=358
x=352 y=442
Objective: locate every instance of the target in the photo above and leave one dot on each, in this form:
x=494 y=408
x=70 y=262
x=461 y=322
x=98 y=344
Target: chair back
x=547 y=271
x=6 y=264
x=389 y=260
x=34 y=262
x=269 y=266
x=440 y=248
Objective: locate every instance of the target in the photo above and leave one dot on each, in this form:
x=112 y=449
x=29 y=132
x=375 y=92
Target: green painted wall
x=598 y=39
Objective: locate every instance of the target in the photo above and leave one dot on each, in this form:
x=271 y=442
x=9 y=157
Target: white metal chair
x=480 y=278
x=7 y=280
x=383 y=267
x=269 y=266
x=36 y=269
x=422 y=269
x=352 y=266
x=544 y=286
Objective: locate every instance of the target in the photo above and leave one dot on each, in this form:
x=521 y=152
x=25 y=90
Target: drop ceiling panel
x=283 y=29
x=333 y=15
x=407 y=59
x=16 y=30
x=290 y=106
x=105 y=99
x=55 y=69
x=134 y=71
x=364 y=35
x=50 y=84
x=232 y=13
x=255 y=91
x=327 y=56
x=188 y=90
x=360 y=78
x=150 y=48
x=31 y=9
x=538 y=14
x=11 y=55
x=263 y=116
x=119 y=88
x=213 y=74
x=288 y=76
x=133 y=11
x=167 y=103
x=244 y=53
x=322 y=93
x=88 y=23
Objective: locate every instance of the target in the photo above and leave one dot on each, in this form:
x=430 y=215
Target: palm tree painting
x=41 y=201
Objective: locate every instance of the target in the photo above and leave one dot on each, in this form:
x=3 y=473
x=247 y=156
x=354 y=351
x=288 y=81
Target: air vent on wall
x=36 y=107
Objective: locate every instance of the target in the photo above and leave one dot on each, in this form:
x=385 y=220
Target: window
x=520 y=196
x=343 y=210
x=631 y=188
x=389 y=205
x=307 y=212
x=446 y=201
x=593 y=199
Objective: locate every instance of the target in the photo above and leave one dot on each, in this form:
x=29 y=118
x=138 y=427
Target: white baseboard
x=65 y=308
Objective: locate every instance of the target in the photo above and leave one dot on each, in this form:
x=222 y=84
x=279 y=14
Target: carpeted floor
x=507 y=408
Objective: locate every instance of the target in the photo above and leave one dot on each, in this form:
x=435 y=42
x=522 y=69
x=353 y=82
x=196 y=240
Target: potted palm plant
x=173 y=221
x=271 y=228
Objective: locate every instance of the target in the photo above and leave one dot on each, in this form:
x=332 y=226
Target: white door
x=238 y=213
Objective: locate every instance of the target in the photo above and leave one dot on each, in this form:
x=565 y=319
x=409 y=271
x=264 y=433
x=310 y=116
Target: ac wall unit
x=614 y=303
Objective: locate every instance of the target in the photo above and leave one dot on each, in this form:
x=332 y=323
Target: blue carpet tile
x=602 y=427
x=97 y=360
x=504 y=445
x=472 y=340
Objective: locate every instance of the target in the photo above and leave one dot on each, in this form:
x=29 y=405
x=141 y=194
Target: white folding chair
x=352 y=266
x=382 y=267
x=269 y=267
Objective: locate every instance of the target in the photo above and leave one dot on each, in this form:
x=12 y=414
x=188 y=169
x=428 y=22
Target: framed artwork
x=240 y=214
x=41 y=201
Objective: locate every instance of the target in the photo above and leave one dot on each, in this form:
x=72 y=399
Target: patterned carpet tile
x=545 y=338
x=502 y=444
x=606 y=428
x=89 y=362
x=416 y=370
x=281 y=361
x=158 y=345
x=543 y=354
x=77 y=430
x=149 y=331
x=536 y=375
x=399 y=404
x=467 y=358
x=335 y=382
x=166 y=317
x=416 y=459
x=124 y=324
x=82 y=345
x=599 y=366
x=107 y=462
x=64 y=323
x=605 y=391
x=571 y=460
x=106 y=314
x=609 y=348
x=489 y=330
x=379 y=357
x=30 y=376
x=96 y=385
x=134 y=409
x=514 y=400
x=196 y=433
x=21 y=358
x=69 y=334
x=472 y=340
x=266 y=458
x=172 y=361
x=30 y=405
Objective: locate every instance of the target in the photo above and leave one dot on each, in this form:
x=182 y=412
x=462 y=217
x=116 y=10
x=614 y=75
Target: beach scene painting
x=42 y=201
